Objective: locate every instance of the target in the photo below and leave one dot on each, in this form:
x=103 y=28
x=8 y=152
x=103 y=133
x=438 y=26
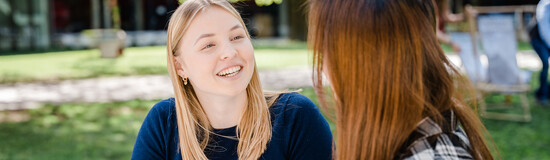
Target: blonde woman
x=219 y=110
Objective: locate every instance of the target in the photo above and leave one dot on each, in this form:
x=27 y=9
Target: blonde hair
x=194 y=129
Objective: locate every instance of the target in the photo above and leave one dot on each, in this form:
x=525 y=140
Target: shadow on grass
x=89 y=131
x=12 y=77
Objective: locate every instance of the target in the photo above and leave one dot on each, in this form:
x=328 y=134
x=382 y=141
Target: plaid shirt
x=430 y=141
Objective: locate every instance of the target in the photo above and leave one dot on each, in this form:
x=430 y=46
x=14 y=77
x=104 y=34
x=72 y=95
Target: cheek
x=198 y=67
x=247 y=52
x=250 y=57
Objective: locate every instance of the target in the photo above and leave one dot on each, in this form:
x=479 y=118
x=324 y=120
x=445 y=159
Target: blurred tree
x=258 y=2
x=115 y=13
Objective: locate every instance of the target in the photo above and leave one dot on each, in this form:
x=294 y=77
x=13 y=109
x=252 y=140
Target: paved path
x=32 y=95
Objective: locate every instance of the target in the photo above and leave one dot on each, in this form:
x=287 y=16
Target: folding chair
x=503 y=76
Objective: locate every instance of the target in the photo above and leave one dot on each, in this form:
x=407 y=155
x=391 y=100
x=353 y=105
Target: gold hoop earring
x=184 y=81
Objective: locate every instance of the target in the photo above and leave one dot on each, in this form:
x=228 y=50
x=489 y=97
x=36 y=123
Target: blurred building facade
x=45 y=24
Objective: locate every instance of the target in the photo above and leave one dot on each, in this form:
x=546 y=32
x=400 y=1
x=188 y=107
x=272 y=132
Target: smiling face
x=216 y=54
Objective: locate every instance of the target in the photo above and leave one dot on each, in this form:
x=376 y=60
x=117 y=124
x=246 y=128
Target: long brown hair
x=387 y=72
x=194 y=129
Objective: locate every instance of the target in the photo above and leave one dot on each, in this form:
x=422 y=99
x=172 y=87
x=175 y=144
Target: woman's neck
x=223 y=111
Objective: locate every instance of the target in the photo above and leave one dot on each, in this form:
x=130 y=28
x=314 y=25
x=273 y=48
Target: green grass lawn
x=108 y=131
x=517 y=140
x=78 y=64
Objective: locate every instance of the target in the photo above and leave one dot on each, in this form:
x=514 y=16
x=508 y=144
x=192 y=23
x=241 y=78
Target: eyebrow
x=212 y=34
x=235 y=27
x=203 y=36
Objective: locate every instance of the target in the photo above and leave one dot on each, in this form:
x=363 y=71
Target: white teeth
x=230 y=71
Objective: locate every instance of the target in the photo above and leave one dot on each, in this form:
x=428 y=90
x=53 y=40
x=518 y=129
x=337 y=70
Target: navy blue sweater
x=299 y=132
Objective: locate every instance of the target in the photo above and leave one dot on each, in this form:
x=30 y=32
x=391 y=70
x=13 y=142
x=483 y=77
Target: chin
x=233 y=91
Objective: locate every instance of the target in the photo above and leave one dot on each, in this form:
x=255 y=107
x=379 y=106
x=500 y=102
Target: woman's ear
x=179 y=67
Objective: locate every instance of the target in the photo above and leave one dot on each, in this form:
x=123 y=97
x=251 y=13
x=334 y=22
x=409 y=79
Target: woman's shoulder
x=163 y=109
x=299 y=125
x=294 y=100
x=293 y=104
x=429 y=141
x=157 y=132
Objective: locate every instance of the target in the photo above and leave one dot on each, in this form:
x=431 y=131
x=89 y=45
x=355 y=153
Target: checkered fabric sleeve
x=430 y=141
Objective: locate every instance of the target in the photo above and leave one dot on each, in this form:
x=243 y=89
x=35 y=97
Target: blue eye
x=208 y=46
x=237 y=38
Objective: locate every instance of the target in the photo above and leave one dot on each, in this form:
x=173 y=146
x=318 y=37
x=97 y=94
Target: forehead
x=211 y=19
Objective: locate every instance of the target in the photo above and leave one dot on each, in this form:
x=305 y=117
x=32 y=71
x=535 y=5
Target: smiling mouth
x=229 y=72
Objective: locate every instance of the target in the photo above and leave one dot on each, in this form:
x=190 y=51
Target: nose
x=228 y=52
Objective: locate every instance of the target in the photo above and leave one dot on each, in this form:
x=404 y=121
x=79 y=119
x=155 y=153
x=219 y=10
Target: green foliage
x=267 y=2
